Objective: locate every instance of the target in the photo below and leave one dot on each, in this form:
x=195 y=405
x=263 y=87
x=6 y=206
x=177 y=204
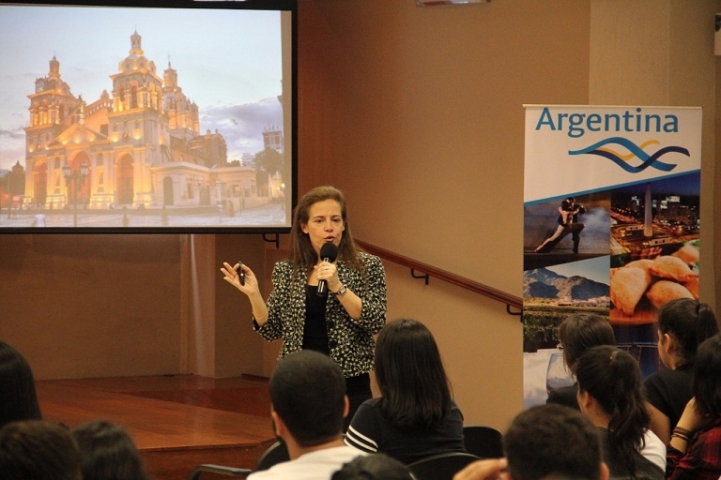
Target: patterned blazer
x=350 y=341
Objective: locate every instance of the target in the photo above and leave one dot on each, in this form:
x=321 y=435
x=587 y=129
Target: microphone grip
x=322 y=284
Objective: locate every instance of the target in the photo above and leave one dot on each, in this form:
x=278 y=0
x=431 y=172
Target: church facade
x=137 y=147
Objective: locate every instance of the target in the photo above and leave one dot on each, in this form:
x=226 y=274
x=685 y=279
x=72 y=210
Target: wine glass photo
x=557 y=375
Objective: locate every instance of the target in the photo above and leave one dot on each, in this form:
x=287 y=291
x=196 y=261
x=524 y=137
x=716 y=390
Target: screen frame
x=289 y=6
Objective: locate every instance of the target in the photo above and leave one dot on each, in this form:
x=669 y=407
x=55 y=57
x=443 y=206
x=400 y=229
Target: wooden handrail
x=446 y=276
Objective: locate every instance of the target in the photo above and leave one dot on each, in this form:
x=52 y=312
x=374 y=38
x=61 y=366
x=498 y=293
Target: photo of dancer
x=568 y=222
x=566 y=229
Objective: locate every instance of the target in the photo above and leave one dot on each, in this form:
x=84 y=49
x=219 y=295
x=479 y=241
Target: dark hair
x=302 y=255
x=18 y=399
x=377 y=466
x=706 y=379
x=613 y=378
x=307 y=390
x=689 y=322
x=414 y=387
x=38 y=450
x=581 y=331
x=552 y=440
x=108 y=452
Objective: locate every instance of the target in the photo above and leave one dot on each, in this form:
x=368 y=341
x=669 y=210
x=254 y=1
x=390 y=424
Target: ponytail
x=689 y=322
x=613 y=378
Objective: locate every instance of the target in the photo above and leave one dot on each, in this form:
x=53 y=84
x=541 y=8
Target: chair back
x=442 y=466
x=483 y=441
x=276 y=453
x=218 y=470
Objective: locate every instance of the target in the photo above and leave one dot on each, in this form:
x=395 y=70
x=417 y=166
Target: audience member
x=308 y=403
x=610 y=394
x=107 y=452
x=682 y=325
x=415 y=417
x=577 y=333
x=38 y=450
x=545 y=442
x=18 y=400
x=373 y=467
x=694 y=451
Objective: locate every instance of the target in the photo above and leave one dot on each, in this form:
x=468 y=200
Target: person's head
x=553 y=441
x=38 y=450
x=610 y=391
x=414 y=387
x=377 y=466
x=706 y=379
x=683 y=324
x=107 y=452
x=320 y=216
x=18 y=399
x=307 y=395
x=581 y=331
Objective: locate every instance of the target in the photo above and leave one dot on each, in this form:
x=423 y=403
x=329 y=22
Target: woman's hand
x=230 y=275
x=250 y=288
x=329 y=272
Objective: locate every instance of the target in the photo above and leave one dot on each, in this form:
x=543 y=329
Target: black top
x=669 y=391
x=370 y=432
x=315 y=331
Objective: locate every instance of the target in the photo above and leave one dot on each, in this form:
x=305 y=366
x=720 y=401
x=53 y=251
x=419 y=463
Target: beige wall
x=96 y=305
x=417 y=114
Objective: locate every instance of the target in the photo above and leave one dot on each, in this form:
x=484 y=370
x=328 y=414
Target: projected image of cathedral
x=137 y=147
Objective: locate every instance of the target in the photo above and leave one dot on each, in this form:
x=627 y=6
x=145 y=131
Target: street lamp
x=77 y=178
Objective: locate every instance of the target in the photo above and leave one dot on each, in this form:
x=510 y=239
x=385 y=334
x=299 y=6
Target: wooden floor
x=177 y=422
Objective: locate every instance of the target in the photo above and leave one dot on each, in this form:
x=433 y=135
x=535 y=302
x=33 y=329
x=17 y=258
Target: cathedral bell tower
x=136 y=126
x=52 y=110
x=183 y=118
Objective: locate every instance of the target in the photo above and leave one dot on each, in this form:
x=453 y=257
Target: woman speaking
x=332 y=300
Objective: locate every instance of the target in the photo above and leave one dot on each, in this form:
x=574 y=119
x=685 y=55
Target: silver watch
x=341 y=290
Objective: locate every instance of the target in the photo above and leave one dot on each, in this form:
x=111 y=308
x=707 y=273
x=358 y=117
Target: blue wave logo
x=602 y=149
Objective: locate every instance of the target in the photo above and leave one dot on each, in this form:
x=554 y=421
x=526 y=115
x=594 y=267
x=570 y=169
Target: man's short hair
x=38 y=450
x=307 y=391
x=552 y=441
x=377 y=466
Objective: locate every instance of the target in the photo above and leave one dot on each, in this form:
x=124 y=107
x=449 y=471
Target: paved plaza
x=272 y=215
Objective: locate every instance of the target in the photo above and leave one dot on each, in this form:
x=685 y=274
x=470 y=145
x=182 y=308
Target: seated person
x=108 y=452
x=683 y=324
x=373 y=467
x=18 y=400
x=308 y=404
x=695 y=446
x=415 y=417
x=38 y=450
x=610 y=394
x=577 y=333
x=546 y=442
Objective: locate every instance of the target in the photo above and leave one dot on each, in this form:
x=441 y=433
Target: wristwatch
x=341 y=290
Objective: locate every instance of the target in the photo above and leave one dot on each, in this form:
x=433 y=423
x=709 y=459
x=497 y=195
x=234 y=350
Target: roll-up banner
x=611 y=226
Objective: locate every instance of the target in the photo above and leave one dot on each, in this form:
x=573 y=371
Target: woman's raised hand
x=230 y=275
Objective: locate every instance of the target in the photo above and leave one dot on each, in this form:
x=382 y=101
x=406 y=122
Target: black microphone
x=328 y=252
